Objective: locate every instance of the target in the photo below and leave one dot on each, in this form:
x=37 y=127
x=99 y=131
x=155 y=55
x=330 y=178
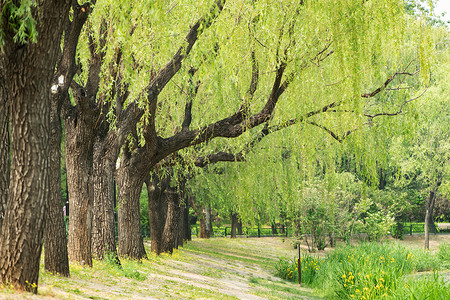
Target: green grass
x=370 y=271
x=219 y=268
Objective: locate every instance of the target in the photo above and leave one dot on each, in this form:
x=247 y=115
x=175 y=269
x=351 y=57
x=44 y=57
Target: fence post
x=299 y=265
x=286 y=230
x=410 y=229
x=225 y=231
x=259 y=232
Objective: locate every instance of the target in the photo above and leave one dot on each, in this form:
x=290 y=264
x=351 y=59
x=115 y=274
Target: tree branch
x=389 y=80
x=399 y=111
x=174 y=65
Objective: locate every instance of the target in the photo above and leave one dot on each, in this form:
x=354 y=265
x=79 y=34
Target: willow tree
x=30 y=39
x=423 y=159
x=316 y=60
x=350 y=90
x=316 y=67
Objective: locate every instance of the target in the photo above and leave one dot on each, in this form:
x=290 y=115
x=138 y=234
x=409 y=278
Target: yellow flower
x=358 y=291
x=352 y=296
x=344 y=276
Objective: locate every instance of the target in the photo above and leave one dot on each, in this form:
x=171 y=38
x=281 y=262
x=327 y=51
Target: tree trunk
x=186 y=223
x=234 y=222
x=170 y=233
x=273 y=226
x=205 y=223
x=239 y=227
x=129 y=185
x=4 y=141
x=56 y=256
x=79 y=158
x=157 y=210
x=103 y=223
x=29 y=68
x=429 y=205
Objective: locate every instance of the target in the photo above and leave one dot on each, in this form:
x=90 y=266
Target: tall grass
x=366 y=271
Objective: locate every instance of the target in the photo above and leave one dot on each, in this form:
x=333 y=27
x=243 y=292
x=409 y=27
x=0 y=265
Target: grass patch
x=366 y=271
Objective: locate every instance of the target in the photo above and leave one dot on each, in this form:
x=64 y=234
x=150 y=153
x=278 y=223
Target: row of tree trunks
x=168 y=215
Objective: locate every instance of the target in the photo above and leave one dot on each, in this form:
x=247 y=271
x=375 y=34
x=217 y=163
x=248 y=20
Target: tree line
x=150 y=92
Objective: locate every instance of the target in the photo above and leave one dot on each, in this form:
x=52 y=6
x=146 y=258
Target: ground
x=219 y=268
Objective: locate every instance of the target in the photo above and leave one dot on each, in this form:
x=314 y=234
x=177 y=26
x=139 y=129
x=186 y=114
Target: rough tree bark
x=29 y=68
x=56 y=255
x=79 y=158
x=129 y=184
x=81 y=123
x=157 y=210
x=170 y=232
x=4 y=141
x=103 y=228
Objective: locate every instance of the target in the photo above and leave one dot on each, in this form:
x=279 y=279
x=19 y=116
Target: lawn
x=219 y=268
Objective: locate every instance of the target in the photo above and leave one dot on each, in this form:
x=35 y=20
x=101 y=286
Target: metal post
x=299 y=265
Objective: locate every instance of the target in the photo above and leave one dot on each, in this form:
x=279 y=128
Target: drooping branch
x=230 y=127
x=174 y=65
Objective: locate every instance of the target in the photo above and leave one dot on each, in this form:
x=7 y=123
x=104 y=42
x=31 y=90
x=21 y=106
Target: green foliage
x=143 y=212
x=444 y=254
x=378 y=225
x=20 y=21
x=432 y=286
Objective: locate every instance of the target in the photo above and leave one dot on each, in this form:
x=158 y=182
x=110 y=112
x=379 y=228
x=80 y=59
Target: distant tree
x=424 y=158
